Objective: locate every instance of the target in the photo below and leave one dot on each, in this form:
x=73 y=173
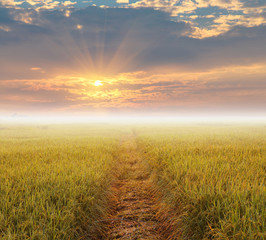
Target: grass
x=54 y=181
x=213 y=179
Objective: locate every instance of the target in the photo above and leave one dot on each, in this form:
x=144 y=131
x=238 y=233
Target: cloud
x=122 y=1
x=111 y=40
x=225 y=14
x=221 y=88
x=69 y=3
x=117 y=40
x=79 y=26
x=5 y=28
x=143 y=58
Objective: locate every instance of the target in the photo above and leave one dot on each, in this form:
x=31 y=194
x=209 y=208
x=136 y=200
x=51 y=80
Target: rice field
x=212 y=179
x=55 y=180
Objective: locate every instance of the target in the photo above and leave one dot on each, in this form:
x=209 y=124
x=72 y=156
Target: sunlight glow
x=98 y=83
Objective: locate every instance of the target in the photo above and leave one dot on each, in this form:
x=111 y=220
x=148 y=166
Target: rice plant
x=54 y=181
x=213 y=179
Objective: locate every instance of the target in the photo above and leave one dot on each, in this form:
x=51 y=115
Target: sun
x=98 y=83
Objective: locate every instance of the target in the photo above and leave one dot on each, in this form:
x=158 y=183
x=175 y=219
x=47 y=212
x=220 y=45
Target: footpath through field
x=134 y=214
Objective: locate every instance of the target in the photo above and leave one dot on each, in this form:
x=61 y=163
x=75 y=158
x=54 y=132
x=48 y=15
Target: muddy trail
x=134 y=212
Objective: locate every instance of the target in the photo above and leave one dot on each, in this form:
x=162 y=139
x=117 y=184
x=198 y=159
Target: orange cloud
x=217 y=88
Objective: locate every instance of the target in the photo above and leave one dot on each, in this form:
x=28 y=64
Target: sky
x=96 y=57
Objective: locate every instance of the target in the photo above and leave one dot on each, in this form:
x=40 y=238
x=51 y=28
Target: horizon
x=134 y=119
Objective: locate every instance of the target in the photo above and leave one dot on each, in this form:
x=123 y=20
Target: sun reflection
x=98 y=83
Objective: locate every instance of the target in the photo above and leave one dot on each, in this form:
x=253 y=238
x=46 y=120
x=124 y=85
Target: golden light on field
x=98 y=83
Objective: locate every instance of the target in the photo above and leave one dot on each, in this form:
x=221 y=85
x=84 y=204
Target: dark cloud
x=112 y=40
x=53 y=41
x=53 y=46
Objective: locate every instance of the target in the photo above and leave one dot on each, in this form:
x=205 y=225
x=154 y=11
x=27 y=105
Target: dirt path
x=134 y=214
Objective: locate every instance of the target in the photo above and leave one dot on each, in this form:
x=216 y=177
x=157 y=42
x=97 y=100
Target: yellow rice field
x=55 y=179
x=213 y=178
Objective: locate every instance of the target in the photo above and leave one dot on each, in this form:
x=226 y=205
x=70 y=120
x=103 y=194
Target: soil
x=134 y=214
